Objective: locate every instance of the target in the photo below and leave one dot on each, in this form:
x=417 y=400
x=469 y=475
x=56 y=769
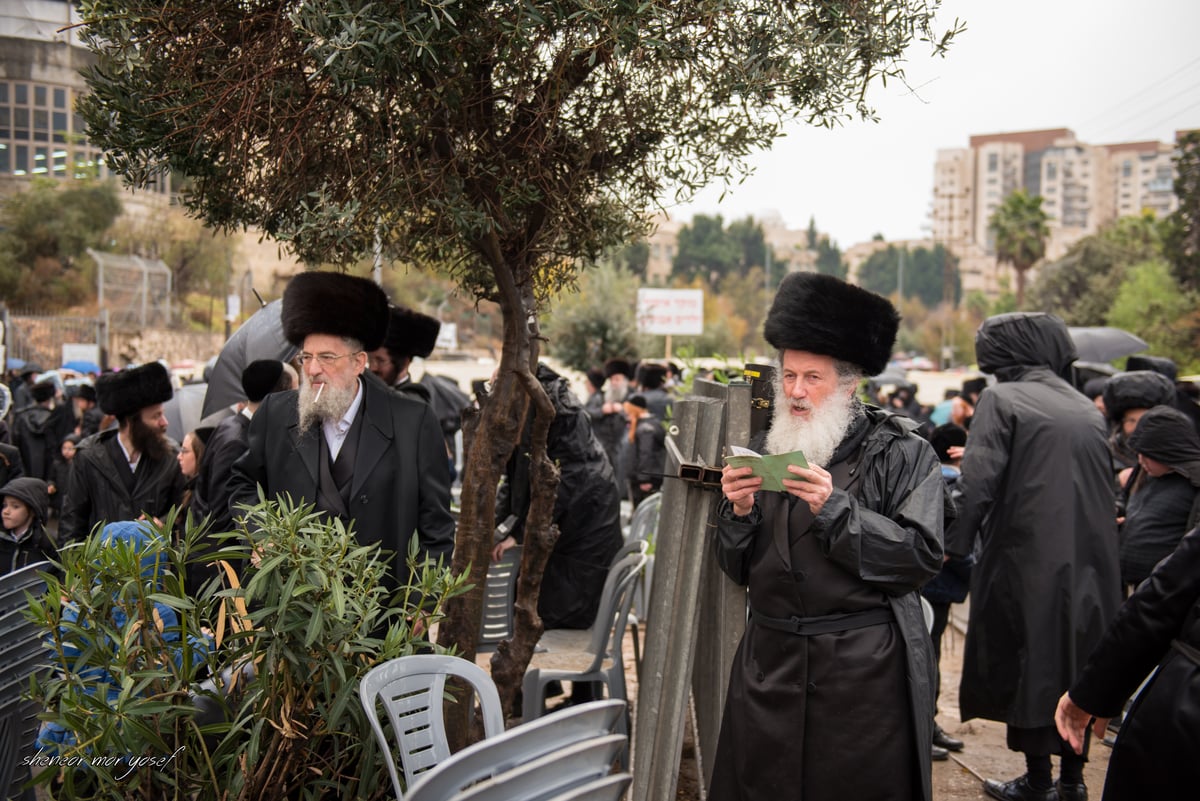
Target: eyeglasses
x=324 y=359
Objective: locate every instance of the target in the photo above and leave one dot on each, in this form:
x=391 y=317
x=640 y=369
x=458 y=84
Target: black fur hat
x=822 y=314
x=617 y=366
x=128 y=391
x=1139 y=389
x=653 y=376
x=334 y=304
x=411 y=333
x=43 y=391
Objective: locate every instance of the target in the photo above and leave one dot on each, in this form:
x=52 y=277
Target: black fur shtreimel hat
x=128 y=391
x=825 y=315
x=411 y=333
x=337 y=305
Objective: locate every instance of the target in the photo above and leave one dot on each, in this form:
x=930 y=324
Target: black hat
x=411 y=333
x=825 y=315
x=127 y=391
x=1159 y=364
x=596 y=378
x=1094 y=387
x=86 y=391
x=653 y=376
x=32 y=492
x=973 y=386
x=1140 y=389
x=334 y=304
x=43 y=391
x=946 y=436
x=617 y=367
x=261 y=378
x=637 y=400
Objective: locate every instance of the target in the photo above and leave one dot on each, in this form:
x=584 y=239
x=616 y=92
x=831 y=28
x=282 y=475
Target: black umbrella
x=260 y=337
x=183 y=410
x=1103 y=343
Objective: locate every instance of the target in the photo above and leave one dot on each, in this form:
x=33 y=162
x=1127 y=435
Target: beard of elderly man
x=814 y=405
x=330 y=368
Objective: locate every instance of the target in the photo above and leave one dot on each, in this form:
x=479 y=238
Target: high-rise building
x=1083 y=187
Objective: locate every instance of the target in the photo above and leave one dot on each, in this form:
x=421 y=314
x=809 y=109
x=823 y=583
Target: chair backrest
x=644 y=524
x=630 y=547
x=520 y=744
x=615 y=600
x=498 y=592
x=411 y=690
x=607 y=788
x=22 y=653
x=544 y=777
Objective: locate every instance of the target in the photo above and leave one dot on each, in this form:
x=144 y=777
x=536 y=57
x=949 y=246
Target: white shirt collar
x=336 y=430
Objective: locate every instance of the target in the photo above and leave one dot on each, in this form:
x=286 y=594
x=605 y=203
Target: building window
x=1051 y=171
x=993 y=162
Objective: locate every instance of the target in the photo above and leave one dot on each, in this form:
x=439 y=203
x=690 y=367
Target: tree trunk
x=500 y=424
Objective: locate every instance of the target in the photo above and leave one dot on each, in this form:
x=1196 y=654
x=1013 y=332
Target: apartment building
x=41 y=135
x=1083 y=187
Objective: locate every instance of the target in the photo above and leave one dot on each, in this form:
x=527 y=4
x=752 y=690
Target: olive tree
x=507 y=144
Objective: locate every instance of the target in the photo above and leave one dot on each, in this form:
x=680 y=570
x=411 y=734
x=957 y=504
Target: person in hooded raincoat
x=831 y=689
x=1036 y=488
x=1158 y=627
x=587 y=510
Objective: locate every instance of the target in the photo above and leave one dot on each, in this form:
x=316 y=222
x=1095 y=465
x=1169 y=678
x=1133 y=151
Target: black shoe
x=1018 y=790
x=1071 y=792
x=938 y=754
x=943 y=740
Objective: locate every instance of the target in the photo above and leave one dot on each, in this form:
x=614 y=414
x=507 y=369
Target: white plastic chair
x=411 y=690
x=550 y=775
x=592 y=654
x=518 y=746
x=927 y=611
x=22 y=654
x=608 y=788
x=498 y=595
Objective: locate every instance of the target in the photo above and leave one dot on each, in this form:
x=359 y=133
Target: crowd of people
x=1062 y=512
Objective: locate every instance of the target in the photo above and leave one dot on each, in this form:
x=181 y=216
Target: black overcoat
x=96 y=491
x=1036 y=486
x=846 y=714
x=587 y=510
x=1156 y=753
x=401 y=479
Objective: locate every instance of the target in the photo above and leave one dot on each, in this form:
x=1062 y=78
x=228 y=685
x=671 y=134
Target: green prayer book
x=773 y=468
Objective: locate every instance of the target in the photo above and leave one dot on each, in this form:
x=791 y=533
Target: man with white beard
x=831 y=690
x=344 y=441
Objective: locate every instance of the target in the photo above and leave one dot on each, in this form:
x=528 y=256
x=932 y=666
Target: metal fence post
x=674 y=609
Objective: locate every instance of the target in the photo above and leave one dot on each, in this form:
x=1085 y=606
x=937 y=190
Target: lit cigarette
x=320 y=387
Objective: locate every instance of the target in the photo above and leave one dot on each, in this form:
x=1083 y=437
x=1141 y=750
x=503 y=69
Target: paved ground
x=985 y=754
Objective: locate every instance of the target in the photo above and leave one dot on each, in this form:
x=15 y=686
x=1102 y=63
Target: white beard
x=818 y=436
x=332 y=404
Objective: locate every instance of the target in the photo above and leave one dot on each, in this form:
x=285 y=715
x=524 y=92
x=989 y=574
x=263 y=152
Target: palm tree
x=1019 y=227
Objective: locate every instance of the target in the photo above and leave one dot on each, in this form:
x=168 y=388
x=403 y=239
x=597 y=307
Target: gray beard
x=332 y=404
x=818 y=436
x=614 y=395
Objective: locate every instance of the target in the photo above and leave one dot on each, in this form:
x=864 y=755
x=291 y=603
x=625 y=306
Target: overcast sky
x=1110 y=70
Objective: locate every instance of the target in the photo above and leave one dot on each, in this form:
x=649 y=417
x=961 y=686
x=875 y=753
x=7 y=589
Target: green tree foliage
x=1151 y=304
x=127 y=683
x=705 y=249
x=507 y=143
x=926 y=272
x=44 y=233
x=1183 y=229
x=1019 y=227
x=751 y=242
x=597 y=323
x=829 y=258
x=1082 y=285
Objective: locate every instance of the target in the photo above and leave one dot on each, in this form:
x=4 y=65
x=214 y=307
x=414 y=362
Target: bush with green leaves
x=129 y=692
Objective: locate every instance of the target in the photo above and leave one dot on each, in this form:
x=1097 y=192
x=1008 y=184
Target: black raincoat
x=845 y=713
x=1156 y=752
x=1036 y=487
x=587 y=510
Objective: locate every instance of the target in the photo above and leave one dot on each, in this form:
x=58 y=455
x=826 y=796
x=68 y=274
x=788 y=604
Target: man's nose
x=312 y=368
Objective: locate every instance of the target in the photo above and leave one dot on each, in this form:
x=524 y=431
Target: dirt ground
x=984 y=756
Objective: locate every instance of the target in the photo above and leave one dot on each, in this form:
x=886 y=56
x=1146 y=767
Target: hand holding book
x=772 y=468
